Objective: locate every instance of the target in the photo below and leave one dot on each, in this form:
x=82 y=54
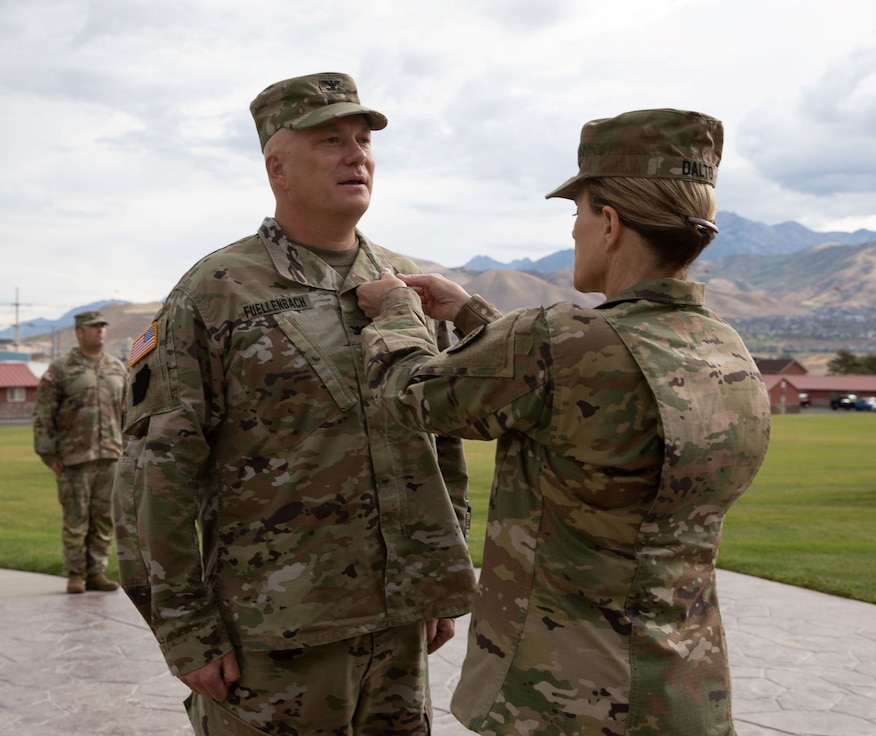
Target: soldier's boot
x=99 y=581
x=75 y=583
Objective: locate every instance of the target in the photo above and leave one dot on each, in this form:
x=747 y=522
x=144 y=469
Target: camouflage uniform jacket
x=248 y=414
x=624 y=433
x=78 y=412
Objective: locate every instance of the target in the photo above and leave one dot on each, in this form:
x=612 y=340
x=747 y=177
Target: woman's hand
x=441 y=297
x=370 y=294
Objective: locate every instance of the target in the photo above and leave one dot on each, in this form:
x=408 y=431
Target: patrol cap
x=89 y=319
x=305 y=102
x=651 y=144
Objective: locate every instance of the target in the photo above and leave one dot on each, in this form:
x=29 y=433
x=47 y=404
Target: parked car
x=866 y=403
x=804 y=400
x=844 y=402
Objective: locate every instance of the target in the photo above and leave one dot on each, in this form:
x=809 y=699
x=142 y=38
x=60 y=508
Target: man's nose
x=356 y=153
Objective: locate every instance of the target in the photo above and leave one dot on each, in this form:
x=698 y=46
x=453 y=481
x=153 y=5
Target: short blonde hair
x=658 y=209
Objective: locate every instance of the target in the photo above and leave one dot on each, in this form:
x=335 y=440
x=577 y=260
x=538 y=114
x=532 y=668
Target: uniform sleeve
x=45 y=414
x=115 y=404
x=450 y=450
x=475 y=313
x=451 y=458
x=492 y=381
x=173 y=400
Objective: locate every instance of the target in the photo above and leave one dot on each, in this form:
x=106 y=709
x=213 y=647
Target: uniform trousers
x=85 y=492
x=370 y=685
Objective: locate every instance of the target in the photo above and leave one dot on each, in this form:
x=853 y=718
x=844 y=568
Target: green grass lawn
x=809 y=519
x=30 y=515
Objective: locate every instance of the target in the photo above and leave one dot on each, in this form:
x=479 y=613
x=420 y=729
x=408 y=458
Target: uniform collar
x=303 y=266
x=667 y=291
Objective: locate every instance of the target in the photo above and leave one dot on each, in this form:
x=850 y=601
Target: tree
x=844 y=364
x=869 y=363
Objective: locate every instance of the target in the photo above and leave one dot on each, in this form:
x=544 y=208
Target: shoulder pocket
x=148 y=381
x=489 y=350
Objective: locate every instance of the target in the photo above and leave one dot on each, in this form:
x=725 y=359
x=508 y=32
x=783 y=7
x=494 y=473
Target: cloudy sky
x=128 y=152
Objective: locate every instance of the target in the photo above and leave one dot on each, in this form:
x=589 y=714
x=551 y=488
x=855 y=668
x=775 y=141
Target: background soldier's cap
x=304 y=102
x=651 y=144
x=89 y=318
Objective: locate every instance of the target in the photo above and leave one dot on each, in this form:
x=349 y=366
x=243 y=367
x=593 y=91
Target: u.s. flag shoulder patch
x=144 y=344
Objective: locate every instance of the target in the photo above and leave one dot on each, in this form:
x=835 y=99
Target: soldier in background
x=334 y=552
x=77 y=433
x=624 y=434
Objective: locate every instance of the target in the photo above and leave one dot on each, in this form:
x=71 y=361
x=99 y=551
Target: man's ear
x=274 y=167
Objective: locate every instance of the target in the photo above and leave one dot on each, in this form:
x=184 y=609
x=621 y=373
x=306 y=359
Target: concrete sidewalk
x=803 y=663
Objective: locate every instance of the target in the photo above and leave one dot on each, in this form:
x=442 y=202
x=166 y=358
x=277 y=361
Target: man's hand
x=439 y=632
x=441 y=297
x=214 y=679
x=55 y=464
x=370 y=295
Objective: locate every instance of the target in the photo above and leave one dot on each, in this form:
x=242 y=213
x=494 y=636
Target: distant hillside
x=819 y=299
x=41 y=326
x=126 y=322
x=512 y=289
x=836 y=276
x=841 y=277
x=737 y=235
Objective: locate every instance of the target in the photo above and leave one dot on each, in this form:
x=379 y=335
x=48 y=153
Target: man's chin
x=355 y=205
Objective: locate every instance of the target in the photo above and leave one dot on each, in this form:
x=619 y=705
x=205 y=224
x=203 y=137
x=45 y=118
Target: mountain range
x=737 y=235
x=780 y=281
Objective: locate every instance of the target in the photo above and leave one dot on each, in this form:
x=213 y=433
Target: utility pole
x=17 y=320
x=17 y=304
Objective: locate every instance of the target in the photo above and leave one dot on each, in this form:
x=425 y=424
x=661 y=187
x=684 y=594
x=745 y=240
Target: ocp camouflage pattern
x=650 y=144
x=78 y=411
x=624 y=433
x=321 y=517
x=304 y=102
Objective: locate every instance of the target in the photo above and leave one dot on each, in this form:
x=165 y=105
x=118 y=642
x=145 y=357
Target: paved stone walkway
x=803 y=663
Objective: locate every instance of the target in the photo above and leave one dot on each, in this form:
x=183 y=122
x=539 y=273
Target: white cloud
x=823 y=144
x=129 y=152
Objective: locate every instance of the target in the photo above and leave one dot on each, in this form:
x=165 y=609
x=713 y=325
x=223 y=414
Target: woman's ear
x=611 y=226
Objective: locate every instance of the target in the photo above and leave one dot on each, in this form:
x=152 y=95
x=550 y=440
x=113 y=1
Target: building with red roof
x=786 y=390
x=18 y=385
